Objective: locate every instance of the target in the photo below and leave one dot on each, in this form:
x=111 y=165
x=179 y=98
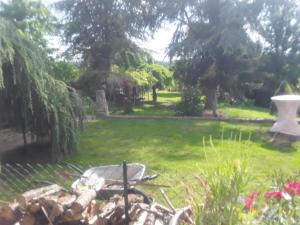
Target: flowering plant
x=220 y=202
x=280 y=206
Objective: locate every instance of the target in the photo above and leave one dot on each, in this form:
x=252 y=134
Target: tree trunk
x=101 y=64
x=23 y=126
x=211 y=100
x=101 y=104
x=154 y=94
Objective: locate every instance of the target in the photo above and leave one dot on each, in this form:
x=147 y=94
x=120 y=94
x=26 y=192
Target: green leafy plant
x=279 y=206
x=190 y=104
x=219 y=200
x=33 y=100
x=221 y=190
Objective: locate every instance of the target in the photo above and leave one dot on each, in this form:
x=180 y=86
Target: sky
x=156 y=45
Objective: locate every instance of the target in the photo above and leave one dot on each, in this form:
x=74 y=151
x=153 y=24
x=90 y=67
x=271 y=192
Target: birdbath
x=287 y=106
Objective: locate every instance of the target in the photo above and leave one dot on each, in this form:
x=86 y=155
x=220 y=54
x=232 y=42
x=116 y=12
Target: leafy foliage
x=212 y=45
x=162 y=75
x=98 y=30
x=141 y=78
x=277 y=26
x=33 y=99
x=190 y=104
x=31 y=17
x=66 y=71
x=284 y=89
x=221 y=195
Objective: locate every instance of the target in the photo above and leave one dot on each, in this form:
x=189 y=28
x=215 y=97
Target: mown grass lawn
x=165 y=106
x=166 y=103
x=177 y=149
x=252 y=112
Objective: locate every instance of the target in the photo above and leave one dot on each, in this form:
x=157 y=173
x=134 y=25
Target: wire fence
x=18 y=178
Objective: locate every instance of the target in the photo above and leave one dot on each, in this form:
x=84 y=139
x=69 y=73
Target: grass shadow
x=279 y=142
x=153 y=141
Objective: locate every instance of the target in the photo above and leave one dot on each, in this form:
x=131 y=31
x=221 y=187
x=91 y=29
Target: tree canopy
x=278 y=29
x=99 y=29
x=212 y=44
x=236 y=47
x=33 y=101
x=31 y=17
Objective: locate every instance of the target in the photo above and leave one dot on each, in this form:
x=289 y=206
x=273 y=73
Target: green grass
x=168 y=96
x=159 y=109
x=245 y=111
x=147 y=109
x=179 y=149
x=165 y=105
x=166 y=102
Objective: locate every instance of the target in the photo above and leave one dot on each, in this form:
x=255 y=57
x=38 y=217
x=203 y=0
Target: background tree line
x=247 y=50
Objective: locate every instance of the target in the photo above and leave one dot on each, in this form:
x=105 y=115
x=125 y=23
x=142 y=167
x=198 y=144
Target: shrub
x=219 y=199
x=278 y=206
x=89 y=106
x=190 y=104
x=220 y=202
x=128 y=106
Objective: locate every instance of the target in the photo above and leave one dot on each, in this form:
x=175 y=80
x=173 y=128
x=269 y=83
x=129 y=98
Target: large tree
x=98 y=29
x=212 y=44
x=277 y=25
x=31 y=17
x=31 y=99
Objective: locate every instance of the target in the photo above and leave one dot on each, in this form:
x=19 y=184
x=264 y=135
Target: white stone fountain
x=287 y=106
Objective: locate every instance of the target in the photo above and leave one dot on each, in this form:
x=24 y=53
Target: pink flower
x=250 y=199
x=275 y=194
x=292 y=188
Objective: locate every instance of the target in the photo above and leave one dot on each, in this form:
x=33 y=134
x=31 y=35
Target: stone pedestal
x=101 y=104
x=286 y=123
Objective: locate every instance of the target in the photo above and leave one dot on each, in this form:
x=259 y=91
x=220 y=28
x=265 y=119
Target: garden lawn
x=178 y=149
x=168 y=96
x=166 y=102
x=251 y=112
x=165 y=105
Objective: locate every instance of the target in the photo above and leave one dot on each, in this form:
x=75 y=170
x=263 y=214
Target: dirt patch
x=10 y=139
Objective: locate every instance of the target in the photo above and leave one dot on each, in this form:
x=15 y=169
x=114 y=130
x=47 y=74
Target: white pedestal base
x=287 y=127
x=287 y=106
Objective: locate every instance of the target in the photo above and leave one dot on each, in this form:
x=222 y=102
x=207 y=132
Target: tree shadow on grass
x=150 y=140
x=280 y=143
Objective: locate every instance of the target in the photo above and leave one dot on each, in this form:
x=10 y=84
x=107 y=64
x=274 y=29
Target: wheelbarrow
x=113 y=176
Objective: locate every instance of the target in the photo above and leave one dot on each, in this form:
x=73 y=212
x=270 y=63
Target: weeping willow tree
x=31 y=99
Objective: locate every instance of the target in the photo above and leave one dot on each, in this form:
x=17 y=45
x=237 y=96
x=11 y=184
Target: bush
x=128 y=106
x=190 y=104
x=89 y=106
x=221 y=200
